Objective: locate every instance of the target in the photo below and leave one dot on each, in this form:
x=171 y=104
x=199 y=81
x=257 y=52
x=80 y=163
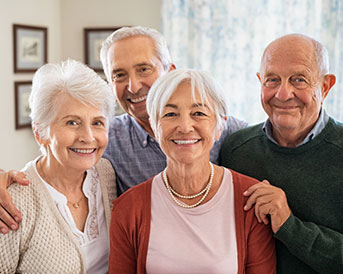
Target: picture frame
x=22 y=90
x=30 y=47
x=93 y=39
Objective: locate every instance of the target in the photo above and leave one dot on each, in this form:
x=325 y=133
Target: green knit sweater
x=311 y=175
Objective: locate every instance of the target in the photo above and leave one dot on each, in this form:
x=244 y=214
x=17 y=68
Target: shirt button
x=144 y=143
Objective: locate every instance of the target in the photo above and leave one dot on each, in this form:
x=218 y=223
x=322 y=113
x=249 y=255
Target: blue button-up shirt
x=136 y=156
x=318 y=127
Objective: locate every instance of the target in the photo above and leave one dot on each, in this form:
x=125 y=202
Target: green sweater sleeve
x=317 y=246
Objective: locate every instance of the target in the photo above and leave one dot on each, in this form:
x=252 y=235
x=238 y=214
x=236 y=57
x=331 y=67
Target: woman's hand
x=268 y=200
x=9 y=214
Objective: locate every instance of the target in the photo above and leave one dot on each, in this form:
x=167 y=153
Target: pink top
x=197 y=240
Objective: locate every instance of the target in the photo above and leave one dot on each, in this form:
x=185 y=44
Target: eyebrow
x=78 y=117
x=303 y=72
x=70 y=116
x=195 y=105
x=137 y=65
x=116 y=71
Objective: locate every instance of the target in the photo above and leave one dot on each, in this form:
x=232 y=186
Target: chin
x=85 y=165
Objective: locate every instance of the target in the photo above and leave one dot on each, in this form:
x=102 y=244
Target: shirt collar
x=318 y=127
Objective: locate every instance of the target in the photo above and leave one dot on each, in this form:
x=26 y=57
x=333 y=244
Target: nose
x=86 y=134
x=185 y=124
x=134 y=84
x=285 y=91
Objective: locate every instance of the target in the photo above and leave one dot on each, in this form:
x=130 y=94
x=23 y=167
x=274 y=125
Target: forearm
x=319 y=247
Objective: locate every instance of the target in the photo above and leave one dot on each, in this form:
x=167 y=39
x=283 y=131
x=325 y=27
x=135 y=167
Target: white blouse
x=94 y=241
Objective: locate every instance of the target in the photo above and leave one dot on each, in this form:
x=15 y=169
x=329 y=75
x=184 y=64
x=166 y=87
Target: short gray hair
x=69 y=77
x=202 y=81
x=160 y=44
x=322 y=58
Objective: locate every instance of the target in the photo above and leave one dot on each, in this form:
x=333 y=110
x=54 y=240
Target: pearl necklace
x=205 y=191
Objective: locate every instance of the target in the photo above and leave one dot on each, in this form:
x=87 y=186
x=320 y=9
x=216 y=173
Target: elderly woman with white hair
x=66 y=207
x=189 y=218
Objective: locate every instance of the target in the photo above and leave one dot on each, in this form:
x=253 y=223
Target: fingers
x=260 y=189
x=270 y=205
x=7 y=178
x=17 y=176
x=254 y=187
x=7 y=222
x=9 y=214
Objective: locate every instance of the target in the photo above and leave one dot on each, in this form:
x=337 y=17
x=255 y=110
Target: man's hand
x=9 y=214
x=268 y=200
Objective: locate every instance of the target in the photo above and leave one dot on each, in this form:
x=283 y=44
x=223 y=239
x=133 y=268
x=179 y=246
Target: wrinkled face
x=292 y=92
x=186 y=130
x=78 y=135
x=134 y=68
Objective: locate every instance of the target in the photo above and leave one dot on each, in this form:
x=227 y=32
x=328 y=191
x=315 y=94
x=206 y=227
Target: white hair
x=72 y=78
x=201 y=82
x=160 y=45
x=322 y=58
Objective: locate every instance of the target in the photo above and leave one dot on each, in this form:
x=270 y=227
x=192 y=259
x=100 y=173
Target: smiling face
x=186 y=130
x=77 y=137
x=134 y=68
x=292 y=91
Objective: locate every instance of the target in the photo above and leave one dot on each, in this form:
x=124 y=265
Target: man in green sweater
x=299 y=150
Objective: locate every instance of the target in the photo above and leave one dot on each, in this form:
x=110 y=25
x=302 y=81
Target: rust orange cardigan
x=130 y=230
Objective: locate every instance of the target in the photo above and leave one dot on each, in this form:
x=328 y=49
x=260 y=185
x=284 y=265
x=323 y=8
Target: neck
x=293 y=136
x=188 y=179
x=59 y=177
x=287 y=139
x=146 y=126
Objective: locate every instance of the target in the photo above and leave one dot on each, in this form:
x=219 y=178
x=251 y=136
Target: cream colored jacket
x=44 y=243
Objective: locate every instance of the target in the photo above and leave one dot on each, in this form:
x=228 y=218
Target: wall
x=19 y=146
x=65 y=20
x=79 y=14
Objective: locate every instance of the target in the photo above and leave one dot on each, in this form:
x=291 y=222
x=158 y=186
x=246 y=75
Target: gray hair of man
x=201 y=82
x=321 y=53
x=161 y=48
x=68 y=77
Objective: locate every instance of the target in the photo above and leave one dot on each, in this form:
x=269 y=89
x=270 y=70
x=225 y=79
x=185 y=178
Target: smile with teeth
x=186 y=142
x=83 y=151
x=138 y=100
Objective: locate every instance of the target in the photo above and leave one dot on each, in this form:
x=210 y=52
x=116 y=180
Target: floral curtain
x=227 y=38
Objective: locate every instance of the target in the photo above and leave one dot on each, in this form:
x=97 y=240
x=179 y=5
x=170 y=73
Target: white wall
x=79 y=14
x=65 y=20
x=19 y=146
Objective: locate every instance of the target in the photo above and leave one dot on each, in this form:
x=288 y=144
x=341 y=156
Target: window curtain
x=227 y=38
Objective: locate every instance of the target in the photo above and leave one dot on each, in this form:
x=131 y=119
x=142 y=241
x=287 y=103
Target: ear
x=218 y=133
x=259 y=77
x=38 y=138
x=172 y=67
x=328 y=82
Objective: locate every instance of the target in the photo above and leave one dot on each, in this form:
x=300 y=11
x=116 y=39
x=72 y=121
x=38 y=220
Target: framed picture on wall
x=29 y=47
x=93 y=38
x=22 y=90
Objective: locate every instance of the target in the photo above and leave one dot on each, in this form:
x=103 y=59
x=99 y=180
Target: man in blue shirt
x=133 y=58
